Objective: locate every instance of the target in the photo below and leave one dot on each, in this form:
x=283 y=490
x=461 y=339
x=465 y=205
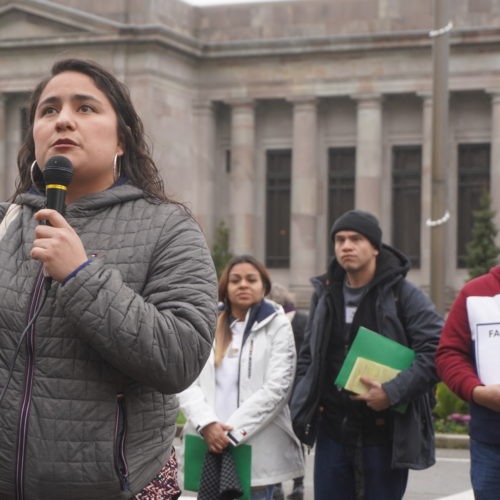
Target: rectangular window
x=473 y=180
x=228 y=161
x=278 y=196
x=406 y=200
x=341 y=182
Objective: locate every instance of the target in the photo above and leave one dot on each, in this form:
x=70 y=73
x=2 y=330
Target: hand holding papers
x=370 y=369
x=375 y=357
x=194 y=457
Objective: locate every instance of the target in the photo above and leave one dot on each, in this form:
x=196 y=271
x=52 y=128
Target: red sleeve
x=455 y=353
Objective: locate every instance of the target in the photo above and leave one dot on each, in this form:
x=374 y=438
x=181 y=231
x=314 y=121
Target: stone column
x=242 y=178
x=369 y=153
x=203 y=203
x=304 y=196
x=3 y=148
x=426 y=198
x=495 y=155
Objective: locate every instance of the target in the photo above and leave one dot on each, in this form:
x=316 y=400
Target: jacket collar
x=116 y=194
x=259 y=315
x=392 y=265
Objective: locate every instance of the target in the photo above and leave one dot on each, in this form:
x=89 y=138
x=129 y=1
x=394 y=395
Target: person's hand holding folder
x=215 y=435
x=375 y=397
x=371 y=361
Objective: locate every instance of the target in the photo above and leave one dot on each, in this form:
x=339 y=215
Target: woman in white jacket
x=242 y=393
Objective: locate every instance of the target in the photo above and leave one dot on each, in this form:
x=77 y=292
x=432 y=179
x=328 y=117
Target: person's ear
x=119 y=147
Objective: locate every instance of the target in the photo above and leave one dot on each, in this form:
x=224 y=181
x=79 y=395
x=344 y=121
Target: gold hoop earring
x=32 y=176
x=116 y=168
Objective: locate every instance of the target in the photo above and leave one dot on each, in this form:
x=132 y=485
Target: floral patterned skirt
x=164 y=486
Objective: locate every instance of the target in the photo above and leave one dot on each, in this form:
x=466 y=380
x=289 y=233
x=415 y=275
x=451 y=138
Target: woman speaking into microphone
x=89 y=365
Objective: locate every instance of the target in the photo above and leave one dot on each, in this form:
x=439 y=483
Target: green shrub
x=450 y=426
x=448 y=403
x=220 y=250
x=451 y=414
x=181 y=419
x=481 y=251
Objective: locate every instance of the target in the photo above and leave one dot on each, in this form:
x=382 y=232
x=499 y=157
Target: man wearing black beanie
x=362 y=222
x=364 y=448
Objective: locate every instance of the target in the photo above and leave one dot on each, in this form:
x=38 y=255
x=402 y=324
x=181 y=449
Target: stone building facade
x=274 y=117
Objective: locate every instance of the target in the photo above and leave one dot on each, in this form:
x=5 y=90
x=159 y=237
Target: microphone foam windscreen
x=58 y=170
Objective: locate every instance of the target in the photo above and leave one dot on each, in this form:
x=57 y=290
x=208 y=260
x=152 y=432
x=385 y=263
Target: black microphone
x=57 y=174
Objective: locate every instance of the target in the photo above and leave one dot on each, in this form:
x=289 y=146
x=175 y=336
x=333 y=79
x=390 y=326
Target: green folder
x=375 y=347
x=194 y=455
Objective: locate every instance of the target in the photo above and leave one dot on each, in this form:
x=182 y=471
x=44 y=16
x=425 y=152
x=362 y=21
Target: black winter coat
x=403 y=313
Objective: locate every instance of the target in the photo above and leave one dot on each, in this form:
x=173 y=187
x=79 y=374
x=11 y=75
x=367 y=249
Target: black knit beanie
x=362 y=222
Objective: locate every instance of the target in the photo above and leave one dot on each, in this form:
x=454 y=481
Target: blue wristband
x=72 y=274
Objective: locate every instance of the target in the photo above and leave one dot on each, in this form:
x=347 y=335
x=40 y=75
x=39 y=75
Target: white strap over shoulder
x=10 y=215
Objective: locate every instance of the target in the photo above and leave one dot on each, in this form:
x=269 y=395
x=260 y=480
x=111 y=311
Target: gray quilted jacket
x=90 y=410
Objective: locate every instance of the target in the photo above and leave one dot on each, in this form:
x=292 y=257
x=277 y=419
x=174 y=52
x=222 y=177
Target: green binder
x=371 y=346
x=194 y=455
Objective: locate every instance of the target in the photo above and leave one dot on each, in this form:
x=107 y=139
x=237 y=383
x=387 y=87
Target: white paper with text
x=484 y=322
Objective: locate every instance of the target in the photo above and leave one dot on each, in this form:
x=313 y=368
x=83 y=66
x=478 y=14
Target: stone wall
x=235 y=81
x=335 y=18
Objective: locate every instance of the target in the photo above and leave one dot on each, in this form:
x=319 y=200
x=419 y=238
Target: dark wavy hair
x=136 y=163
x=243 y=259
x=223 y=333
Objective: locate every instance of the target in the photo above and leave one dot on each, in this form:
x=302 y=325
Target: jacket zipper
x=249 y=372
x=120 y=435
x=22 y=429
x=239 y=371
x=250 y=356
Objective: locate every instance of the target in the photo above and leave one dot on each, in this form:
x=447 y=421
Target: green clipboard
x=195 y=449
x=372 y=346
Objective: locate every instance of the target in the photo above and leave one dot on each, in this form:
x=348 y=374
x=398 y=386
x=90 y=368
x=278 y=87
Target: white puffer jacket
x=262 y=420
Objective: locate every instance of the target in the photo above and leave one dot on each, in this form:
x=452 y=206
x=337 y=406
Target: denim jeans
x=334 y=472
x=263 y=493
x=485 y=470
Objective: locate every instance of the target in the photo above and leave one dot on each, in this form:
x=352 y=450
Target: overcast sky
x=220 y=2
